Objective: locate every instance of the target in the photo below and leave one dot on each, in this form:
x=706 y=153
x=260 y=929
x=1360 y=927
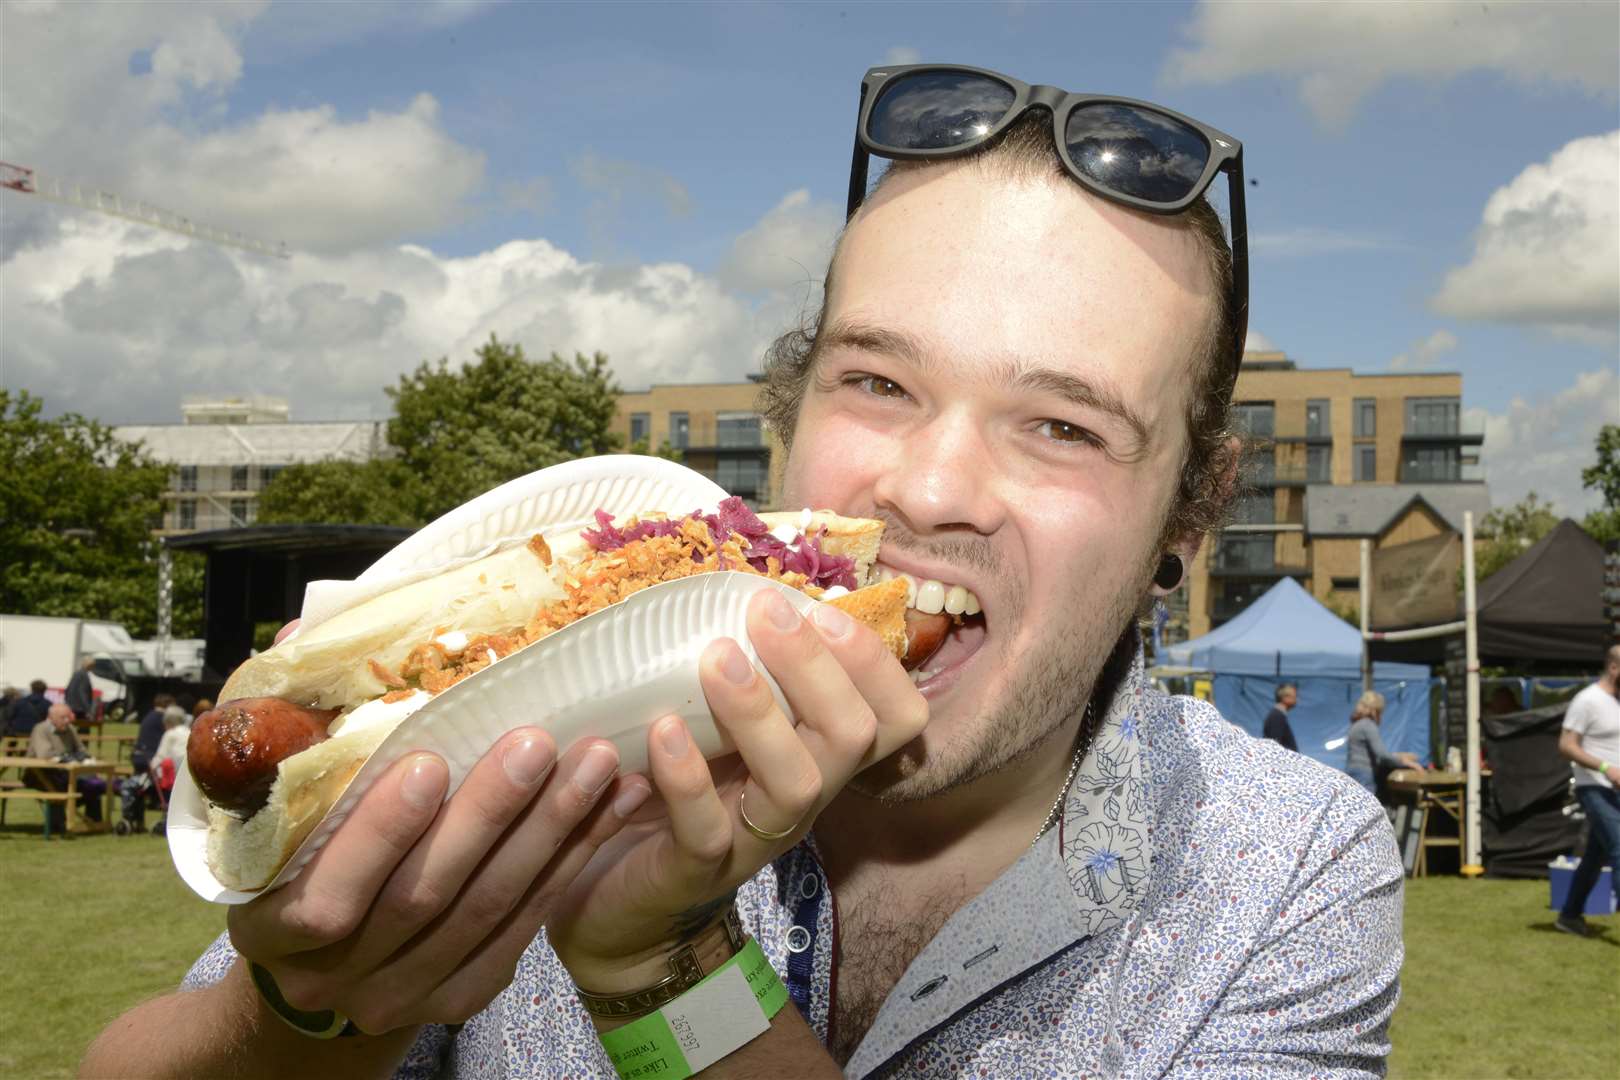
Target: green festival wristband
x=733 y=1005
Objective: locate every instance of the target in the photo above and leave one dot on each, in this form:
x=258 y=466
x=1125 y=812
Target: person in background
x=179 y=709
x=80 y=696
x=151 y=733
x=29 y=709
x=202 y=706
x=171 y=752
x=8 y=701
x=1367 y=753
x=1591 y=741
x=54 y=739
x=1276 y=728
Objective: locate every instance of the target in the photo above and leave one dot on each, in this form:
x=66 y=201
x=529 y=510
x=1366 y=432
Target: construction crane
x=31 y=182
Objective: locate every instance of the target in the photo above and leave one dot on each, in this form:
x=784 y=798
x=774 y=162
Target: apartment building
x=714 y=425
x=1334 y=457
x=225 y=451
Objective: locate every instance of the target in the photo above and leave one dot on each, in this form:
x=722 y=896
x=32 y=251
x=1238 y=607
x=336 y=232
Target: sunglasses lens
x=1137 y=152
x=933 y=110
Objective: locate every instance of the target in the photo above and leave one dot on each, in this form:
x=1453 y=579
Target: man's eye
x=877 y=385
x=1065 y=432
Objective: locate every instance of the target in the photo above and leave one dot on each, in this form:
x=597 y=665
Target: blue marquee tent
x=1288 y=636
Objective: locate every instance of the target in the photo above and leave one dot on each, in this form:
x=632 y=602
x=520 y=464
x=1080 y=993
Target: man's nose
x=944 y=477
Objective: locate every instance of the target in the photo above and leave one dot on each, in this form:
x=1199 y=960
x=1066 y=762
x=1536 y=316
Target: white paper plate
x=609 y=675
x=563 y=498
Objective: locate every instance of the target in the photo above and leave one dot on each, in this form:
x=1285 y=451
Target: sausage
x=234 y=749
x=924 y=635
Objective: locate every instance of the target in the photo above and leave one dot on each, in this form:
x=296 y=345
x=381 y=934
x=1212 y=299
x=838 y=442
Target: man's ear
x=1187 y=547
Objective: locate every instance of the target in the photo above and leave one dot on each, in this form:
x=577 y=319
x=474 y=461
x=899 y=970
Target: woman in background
x=1367 y=752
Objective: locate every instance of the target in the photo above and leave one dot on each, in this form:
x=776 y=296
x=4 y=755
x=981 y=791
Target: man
x=29 y=709
x=1028 y=863
x=80 y=696
x=1591 y=741
x=1276 y=727
x=150 y=732
x=54 y=739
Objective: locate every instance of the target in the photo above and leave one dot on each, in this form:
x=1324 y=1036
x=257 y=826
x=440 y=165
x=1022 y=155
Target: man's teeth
x=932 y=597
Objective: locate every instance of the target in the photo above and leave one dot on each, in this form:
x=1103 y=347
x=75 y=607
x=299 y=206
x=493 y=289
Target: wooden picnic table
x=76 y=821
x=1435 y=791
x=121 y=745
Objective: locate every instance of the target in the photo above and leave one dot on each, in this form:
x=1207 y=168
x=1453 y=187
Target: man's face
x=1002 y=379
x=1290 y=698
x=61 y=716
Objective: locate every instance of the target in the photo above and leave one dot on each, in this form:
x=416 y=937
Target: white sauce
x=454 y=643
x=785 y=533
x=834 y=592
x=377 y=711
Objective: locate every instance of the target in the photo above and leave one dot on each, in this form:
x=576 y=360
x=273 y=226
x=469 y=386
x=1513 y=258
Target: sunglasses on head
x=1130 y=152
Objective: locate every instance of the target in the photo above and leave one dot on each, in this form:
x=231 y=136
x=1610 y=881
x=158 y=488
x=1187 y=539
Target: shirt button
x=798 y=939
x=809 y=885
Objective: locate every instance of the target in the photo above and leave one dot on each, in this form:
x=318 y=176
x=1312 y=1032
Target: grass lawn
x=97 y=924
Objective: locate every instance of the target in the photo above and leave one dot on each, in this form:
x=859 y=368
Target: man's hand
x=658 y=881
x=417 y=910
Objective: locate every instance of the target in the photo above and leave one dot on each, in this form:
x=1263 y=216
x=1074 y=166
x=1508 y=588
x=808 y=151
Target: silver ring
x=768 y=837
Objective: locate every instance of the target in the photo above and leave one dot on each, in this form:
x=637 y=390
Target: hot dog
x=297 y=722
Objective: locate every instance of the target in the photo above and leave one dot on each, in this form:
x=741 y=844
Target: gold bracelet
x=686 y=970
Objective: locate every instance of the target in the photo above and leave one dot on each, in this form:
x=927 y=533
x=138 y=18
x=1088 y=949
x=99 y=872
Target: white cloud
x=1306 y=240
x=1542 y=445
x=786 y=249
x=900 y=55
x=1257 y=342
x=131 y=98
x=1341 y=51
x=1548 y=247
x=118 y=321
x=1423 y=355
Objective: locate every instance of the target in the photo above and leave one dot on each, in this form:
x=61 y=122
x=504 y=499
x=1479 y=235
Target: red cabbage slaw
x=735 y=519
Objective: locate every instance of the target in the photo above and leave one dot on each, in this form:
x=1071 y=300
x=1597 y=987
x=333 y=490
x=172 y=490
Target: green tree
x=456 y=434
x=377 y=492
x=1604 y=476
x=78 y=509
x=665 y=450
x=463 y=432
x=1511 y=530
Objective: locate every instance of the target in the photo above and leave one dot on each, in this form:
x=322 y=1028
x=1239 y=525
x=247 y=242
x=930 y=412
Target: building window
x=1256 y=419
x=1432 y=416
x=188 y=513
x=1366 y=417
x=680 y=430
x=1319 y=464
x=741 y=476
x=1257 y=509
x=1347 y=584
x=738 y=429
x=1366 y=464
x=188 y=478
x=640 y=427
x=1432 y=464
x=1318 y=418
x=1241 y=553
x=239 y=477
x=241 y=513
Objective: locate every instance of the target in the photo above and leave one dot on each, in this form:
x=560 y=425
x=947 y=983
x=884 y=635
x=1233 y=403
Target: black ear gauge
x=1168 y=576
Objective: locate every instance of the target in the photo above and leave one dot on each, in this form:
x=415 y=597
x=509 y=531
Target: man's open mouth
x=951 y=626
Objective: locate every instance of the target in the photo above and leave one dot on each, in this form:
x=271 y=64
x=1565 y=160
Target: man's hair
x=1025 y=152
x=162 y=701
x=1282 y=691
x=1612 y=656
x=37 y=686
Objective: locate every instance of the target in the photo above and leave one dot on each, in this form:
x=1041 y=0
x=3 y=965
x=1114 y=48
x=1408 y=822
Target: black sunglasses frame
x=1226 y=156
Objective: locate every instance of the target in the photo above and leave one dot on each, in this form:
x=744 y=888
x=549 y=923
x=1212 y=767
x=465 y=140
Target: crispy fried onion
x=602 y=579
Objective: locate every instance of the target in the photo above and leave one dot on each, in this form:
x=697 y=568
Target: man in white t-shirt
x=1591 y=741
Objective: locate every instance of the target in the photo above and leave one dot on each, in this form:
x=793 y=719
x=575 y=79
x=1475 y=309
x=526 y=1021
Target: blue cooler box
x=1561 y=872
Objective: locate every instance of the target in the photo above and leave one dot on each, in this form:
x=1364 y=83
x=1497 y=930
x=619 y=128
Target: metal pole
x=165 y=607
x=1364 y=605
x=1472 y=867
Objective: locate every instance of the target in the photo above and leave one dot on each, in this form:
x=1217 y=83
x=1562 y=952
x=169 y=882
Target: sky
x=1436 y=187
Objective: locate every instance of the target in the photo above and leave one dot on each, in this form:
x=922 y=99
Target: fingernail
x=528 y=760
x=630 y=799
x=423 y=784
x=736 y=667
x=672 y=738
x=833 y=622
x=783 y=617
x=596 y=768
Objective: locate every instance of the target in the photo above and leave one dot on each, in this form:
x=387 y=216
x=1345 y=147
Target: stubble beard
x=1047 y=690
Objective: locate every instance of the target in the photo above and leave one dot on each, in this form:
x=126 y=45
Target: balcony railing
x=1264 y=473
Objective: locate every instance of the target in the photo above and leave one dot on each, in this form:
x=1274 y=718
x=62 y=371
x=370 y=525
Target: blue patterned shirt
x=1209 y=905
